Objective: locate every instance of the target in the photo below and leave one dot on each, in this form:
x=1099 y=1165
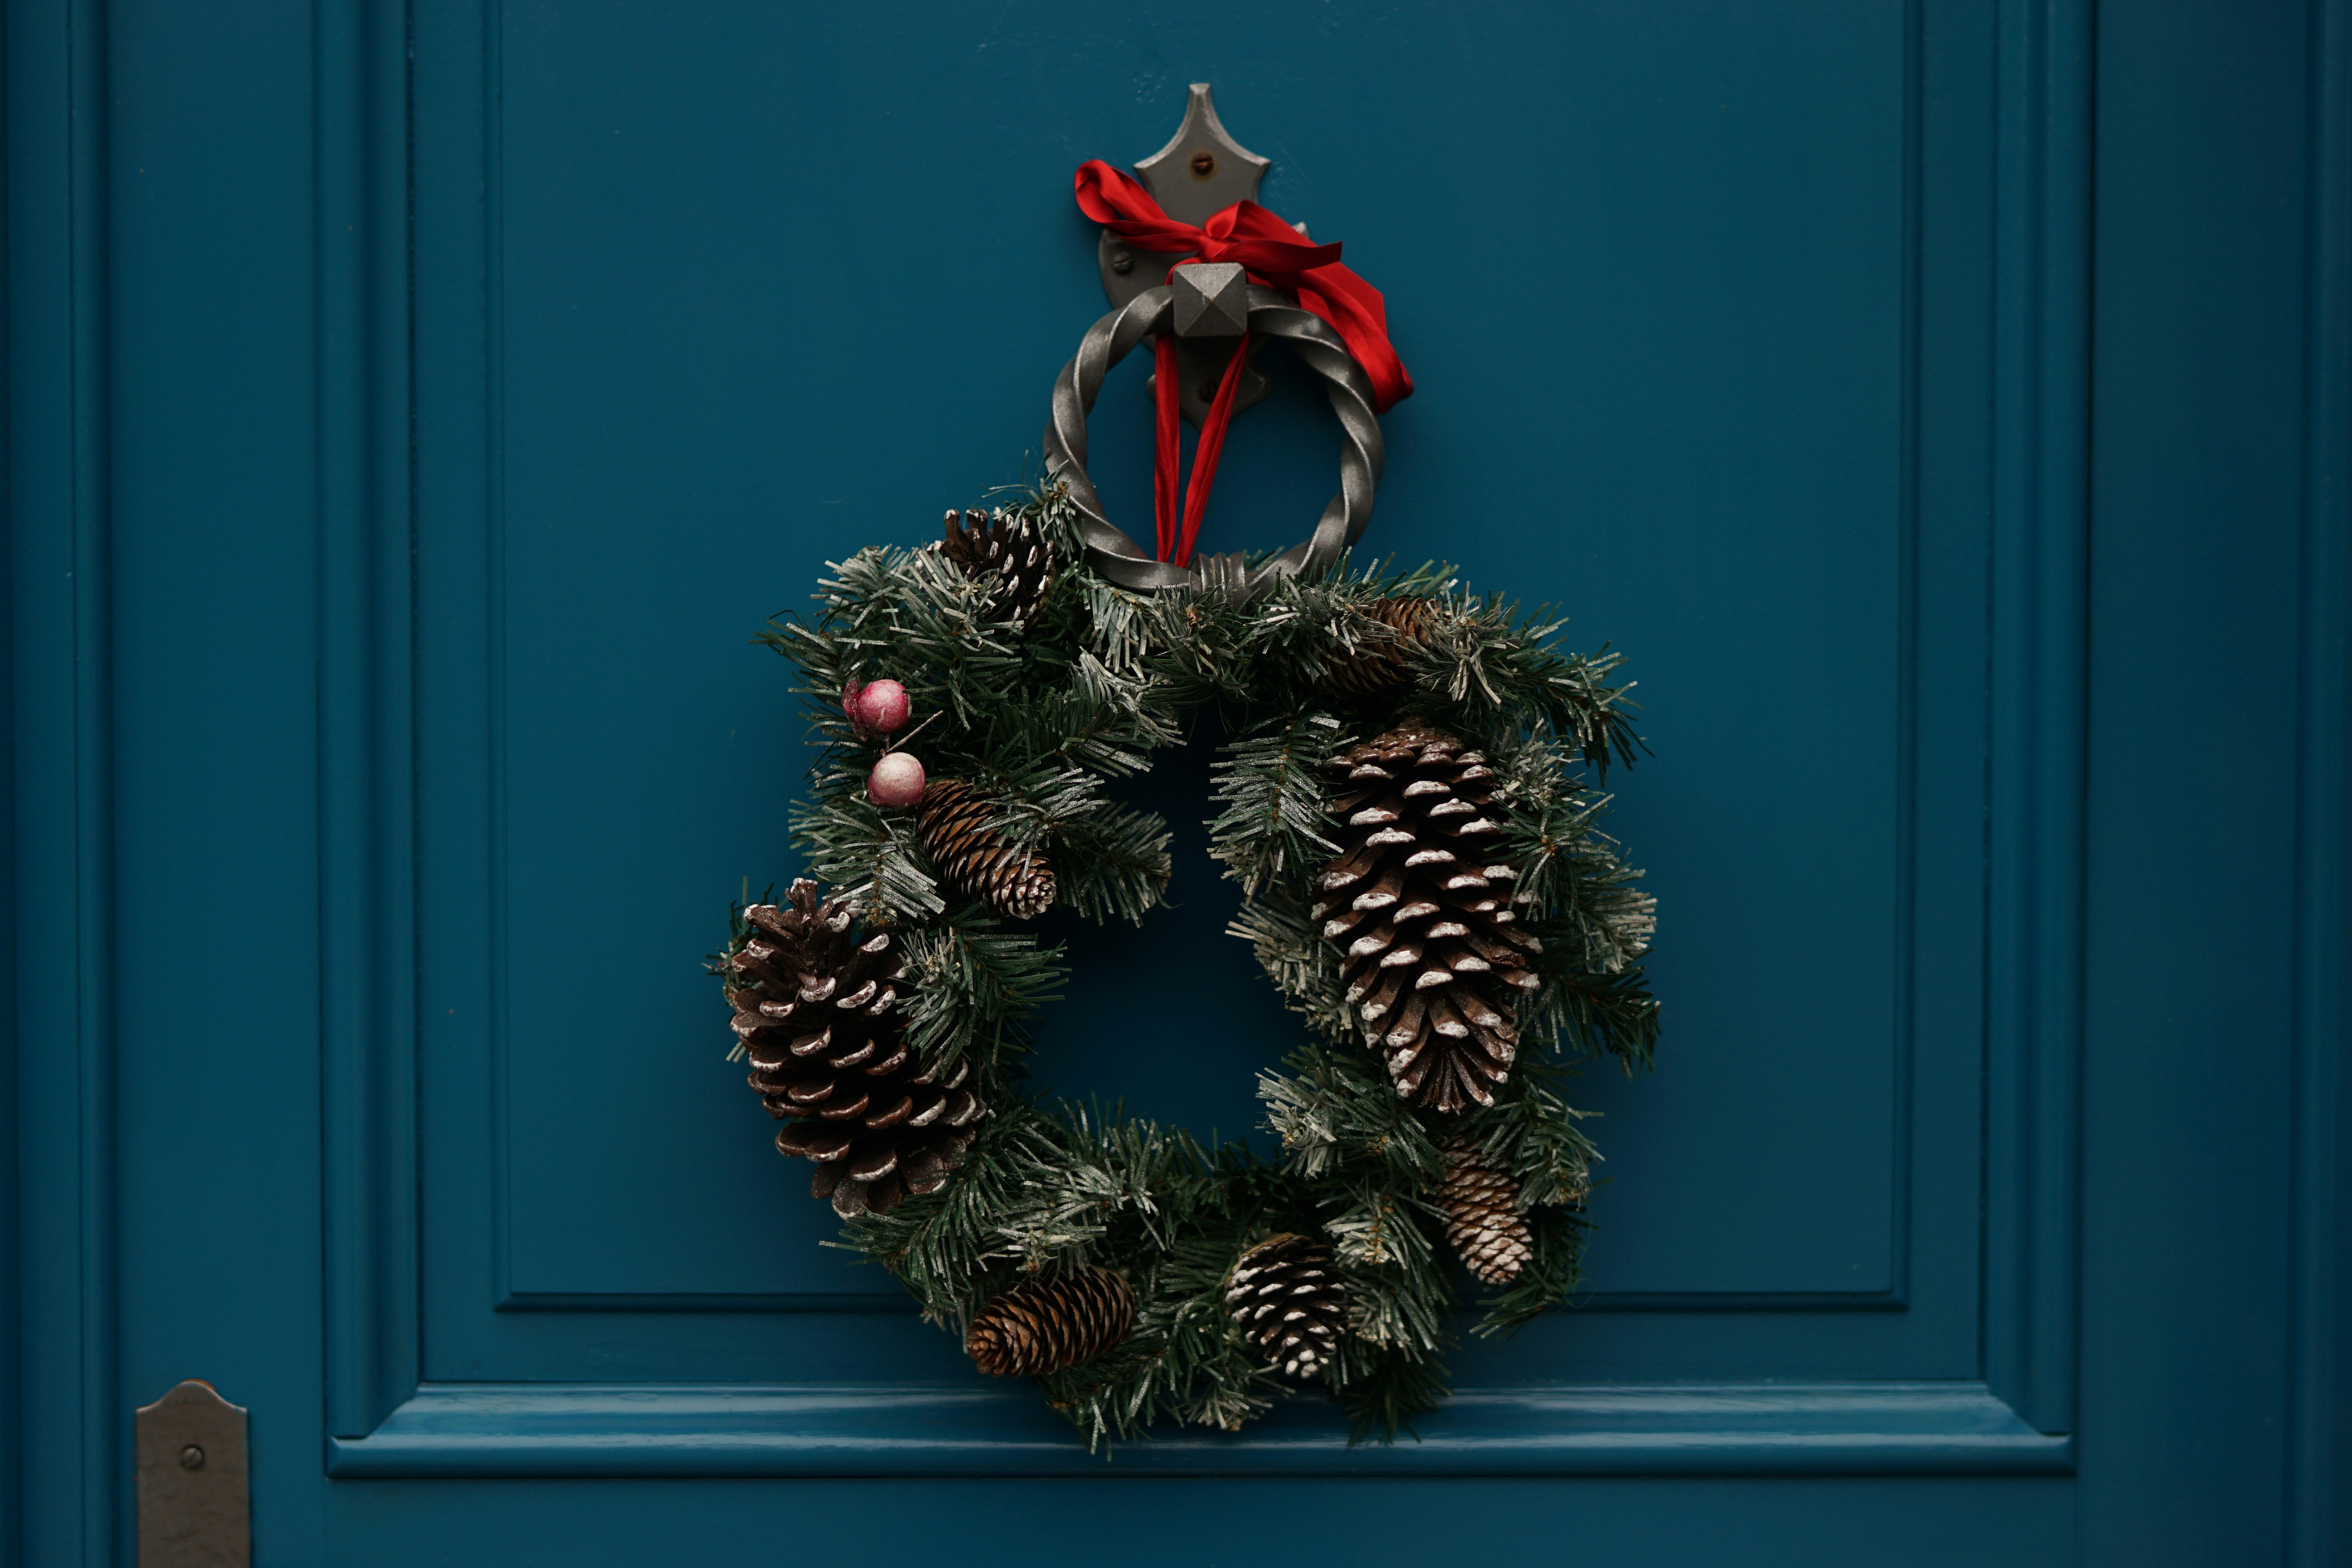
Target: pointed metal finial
x=1202 y=170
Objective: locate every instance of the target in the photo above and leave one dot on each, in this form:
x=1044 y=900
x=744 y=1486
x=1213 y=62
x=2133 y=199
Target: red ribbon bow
x=1273 y=254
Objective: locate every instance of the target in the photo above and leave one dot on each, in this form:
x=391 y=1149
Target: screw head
x=1203 y=165
x=1122 y=261
x=192 y=1458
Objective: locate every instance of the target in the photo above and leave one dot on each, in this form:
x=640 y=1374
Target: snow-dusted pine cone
x=1013 y=548
x=1043 y=1326
x=1015 y=882
x=816 y=1009
x=1287 y=1296
x=1420 y=906
x=1483 y=1221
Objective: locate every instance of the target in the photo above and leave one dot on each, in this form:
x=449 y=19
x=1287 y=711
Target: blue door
x=415 y=409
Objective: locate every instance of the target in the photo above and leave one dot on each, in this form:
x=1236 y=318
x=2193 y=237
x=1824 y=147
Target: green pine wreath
x=1136 y=1273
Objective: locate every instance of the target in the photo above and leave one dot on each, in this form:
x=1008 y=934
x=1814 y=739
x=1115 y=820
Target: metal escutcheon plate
x=193 y=1507
x=1201 y=172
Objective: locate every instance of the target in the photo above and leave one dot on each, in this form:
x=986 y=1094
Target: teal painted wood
x=2319 y=1369
x=2038 y=679
x=229 y=594
x=2198 y=523
x=1685 y=1522
x=65 y=1391
x=366 y=750
x=712 y=1429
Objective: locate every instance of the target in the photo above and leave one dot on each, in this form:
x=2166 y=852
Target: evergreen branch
x=1595 y=1014
x=974 y=983
x=1114 y=862
x=1386 y=1390
x=1271 y=788
x=874 y=856
x=1489 y=665
x=1340 y=1114
x=941 y=1245
x=1304 y=967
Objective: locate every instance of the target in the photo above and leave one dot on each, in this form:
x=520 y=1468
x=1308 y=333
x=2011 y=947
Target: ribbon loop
x=1177 y=532
x=1274 y=253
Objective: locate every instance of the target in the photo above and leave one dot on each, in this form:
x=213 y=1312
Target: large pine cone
x=1287 y=1297
x=1014 y=547
x=1421 y=912
x=1042 y=1326
x=1383 y=659
x=815 y=1009
x=1014 y=882
x=1483 y=1221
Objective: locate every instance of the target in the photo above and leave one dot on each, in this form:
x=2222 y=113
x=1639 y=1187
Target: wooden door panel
x=1699 y=310
x=1696 y=443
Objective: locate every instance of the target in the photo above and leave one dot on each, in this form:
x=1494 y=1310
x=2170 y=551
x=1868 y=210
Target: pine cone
x=814 y=1008
x=1014 y=882
x=1483 y=1220
x=1422 y=912
x=1014 y=547
x=1047 y=1325
x=1287 y=1296
x=1383 y=657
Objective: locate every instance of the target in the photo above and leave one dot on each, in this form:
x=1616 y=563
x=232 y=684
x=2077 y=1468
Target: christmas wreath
x=1409 y=796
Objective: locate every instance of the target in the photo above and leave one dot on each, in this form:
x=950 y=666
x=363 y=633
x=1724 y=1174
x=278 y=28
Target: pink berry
x=897 y=780
x=881 y=707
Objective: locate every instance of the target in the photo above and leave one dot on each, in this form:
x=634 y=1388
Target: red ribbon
x=1275 y=255
x=1176 y=538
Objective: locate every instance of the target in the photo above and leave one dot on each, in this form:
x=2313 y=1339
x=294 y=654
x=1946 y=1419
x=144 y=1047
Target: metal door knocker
x=1235 y=275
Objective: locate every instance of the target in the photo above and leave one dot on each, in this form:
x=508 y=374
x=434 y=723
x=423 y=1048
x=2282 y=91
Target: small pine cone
x=815 y=1008
x=1383 y=657
x=1014 y=882
x=1483 y=1220
x=1288 y=1299
x=1014 y=547
x=1043 y=1326
x=1420 y=906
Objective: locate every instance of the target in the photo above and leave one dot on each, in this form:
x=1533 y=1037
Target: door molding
x=367 y=857
x=2041 y=695
x=65 y=1443
x=2319 y=1374
x=717 y=1429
